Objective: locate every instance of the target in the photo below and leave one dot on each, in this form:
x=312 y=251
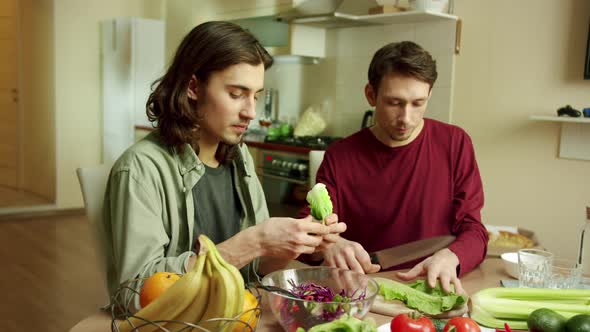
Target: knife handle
x=374 y=258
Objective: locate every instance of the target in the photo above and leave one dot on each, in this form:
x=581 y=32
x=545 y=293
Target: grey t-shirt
x=217 y=205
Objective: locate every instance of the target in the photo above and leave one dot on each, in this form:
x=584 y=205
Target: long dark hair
x=209 y=47
x=405 y=58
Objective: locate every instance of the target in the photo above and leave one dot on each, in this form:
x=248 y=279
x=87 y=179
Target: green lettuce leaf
x=319 y=202
x=344 y=324
x=420 y=296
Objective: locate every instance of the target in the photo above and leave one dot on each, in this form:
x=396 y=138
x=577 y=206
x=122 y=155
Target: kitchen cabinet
x=575 y=135
x=281 y=38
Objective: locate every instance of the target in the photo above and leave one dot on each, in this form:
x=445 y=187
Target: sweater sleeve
x=470 y=245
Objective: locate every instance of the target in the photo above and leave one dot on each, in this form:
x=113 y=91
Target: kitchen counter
x=488 y=274
x=277 y=147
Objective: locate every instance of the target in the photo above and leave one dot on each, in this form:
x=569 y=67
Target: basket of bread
x=504 y=239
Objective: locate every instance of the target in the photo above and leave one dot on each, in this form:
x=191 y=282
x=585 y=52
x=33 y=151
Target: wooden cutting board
x=394 y=307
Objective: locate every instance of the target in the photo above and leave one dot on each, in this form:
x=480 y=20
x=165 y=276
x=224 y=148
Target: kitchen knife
x=410 y=251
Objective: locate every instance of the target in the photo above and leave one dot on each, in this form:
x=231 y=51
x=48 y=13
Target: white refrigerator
x=132 y=57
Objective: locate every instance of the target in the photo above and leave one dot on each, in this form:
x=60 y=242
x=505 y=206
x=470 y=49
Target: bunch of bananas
x=212 y=289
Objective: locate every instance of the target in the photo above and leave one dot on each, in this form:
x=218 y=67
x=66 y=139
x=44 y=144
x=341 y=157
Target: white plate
x=386 y=328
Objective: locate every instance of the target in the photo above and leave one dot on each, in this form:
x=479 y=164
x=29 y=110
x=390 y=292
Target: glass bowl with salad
x=319 y=295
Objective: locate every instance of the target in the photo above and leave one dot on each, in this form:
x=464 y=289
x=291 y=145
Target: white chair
x=315 y=159
x=93 y=182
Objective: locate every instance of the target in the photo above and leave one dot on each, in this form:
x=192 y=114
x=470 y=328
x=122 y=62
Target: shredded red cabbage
x=313 y=292
x=310 y=291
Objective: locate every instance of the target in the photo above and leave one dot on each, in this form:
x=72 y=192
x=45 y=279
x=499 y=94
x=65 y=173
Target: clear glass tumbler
x=534 y=266
x=564 y=273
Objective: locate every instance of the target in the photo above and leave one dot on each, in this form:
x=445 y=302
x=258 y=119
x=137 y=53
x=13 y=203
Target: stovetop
x=312 y=142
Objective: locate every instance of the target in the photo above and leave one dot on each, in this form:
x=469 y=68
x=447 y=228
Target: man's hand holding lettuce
x=321 y=209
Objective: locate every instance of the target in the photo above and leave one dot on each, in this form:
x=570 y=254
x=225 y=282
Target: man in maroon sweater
x=405 y=178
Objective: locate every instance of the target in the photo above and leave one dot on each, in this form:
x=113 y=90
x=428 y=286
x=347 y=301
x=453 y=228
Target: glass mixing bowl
x=293 y=312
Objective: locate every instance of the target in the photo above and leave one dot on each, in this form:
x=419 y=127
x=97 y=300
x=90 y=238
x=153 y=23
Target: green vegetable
x=578 y=323
x=319 y=202
x=545 y=320
x=439 y=324
x=492 y=307
x=344 y=324
x=419 y=296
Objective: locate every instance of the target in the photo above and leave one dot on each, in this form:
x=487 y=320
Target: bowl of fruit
x=318 y=295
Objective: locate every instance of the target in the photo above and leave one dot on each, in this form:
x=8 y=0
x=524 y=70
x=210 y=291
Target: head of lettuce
x=319 y=202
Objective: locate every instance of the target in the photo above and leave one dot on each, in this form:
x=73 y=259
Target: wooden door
x=9 y=122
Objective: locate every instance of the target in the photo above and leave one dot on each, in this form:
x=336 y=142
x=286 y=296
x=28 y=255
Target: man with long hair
x=193 y=176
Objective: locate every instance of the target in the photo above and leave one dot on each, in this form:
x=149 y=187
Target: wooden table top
x=488 y=274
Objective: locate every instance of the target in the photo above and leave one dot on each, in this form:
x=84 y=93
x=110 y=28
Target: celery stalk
x=493 y=307
x=484 y=318
x=537 y=293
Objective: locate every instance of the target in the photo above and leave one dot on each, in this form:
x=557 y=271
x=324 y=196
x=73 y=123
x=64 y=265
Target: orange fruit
x=155 y=285
x=249 y=316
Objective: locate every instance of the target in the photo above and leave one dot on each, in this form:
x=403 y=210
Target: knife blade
x=410 y=251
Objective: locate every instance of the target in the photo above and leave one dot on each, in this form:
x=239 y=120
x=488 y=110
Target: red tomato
x=462 y=324
x=409 y=323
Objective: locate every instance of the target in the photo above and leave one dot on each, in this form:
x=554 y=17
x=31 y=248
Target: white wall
x=518 y=59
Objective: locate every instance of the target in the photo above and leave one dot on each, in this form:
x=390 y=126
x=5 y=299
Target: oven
x=285 y=181
x=287 y=167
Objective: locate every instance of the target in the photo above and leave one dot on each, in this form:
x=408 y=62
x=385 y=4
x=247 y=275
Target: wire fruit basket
x=121 y=302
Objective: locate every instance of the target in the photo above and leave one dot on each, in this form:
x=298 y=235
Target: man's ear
x=191 y=91
x=370 y=94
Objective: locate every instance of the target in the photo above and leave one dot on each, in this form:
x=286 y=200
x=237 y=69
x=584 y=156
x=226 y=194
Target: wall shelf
x=575 y=135
x=556 y=118
x=342 y=20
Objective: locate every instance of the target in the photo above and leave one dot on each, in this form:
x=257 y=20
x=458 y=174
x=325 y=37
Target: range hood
x=320 y=14
x=300 y=30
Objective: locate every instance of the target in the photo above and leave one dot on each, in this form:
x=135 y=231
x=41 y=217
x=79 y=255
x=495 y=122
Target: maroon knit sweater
x=390 y=196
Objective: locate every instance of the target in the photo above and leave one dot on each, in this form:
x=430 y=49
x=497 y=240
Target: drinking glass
x=534 y=267
x=564 y=273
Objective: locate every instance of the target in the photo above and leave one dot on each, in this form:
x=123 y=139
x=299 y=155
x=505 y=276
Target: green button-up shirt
x=148 y=215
